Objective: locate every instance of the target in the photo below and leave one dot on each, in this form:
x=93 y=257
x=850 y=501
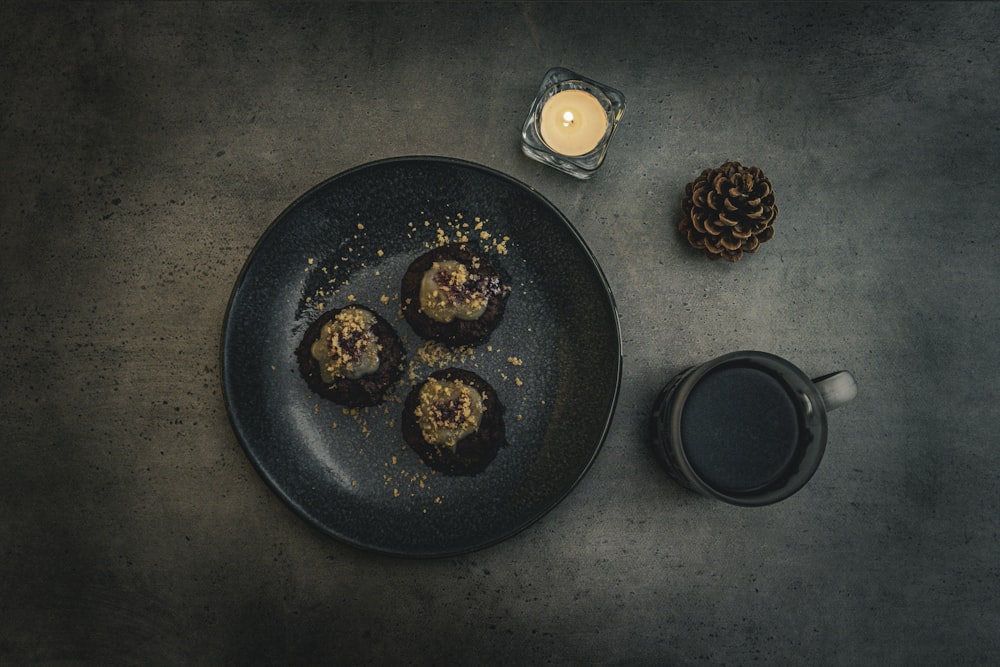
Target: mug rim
x=809 y=408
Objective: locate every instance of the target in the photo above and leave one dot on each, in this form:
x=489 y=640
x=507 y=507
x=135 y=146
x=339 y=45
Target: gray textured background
x=147 y=146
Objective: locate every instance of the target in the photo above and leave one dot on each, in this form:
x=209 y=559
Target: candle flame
x=568 y=118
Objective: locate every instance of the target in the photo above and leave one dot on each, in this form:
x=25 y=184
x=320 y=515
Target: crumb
x=518 y=381
x=514 y=361
x=310 y=260
x=360 y=226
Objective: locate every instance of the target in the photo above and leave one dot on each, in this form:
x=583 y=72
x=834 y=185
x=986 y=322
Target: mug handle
x=836 y=388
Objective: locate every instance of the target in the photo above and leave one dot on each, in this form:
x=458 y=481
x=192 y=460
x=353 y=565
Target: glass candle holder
x=571 y=122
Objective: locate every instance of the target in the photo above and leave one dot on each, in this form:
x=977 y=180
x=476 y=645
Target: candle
x=573 y=122
x=570 y=122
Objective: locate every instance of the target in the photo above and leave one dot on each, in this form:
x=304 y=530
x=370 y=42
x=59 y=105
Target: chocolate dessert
x=351 y=356
x=454 y=421
x=454 y=295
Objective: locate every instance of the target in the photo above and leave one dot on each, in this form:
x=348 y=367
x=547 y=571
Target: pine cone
x=728 y=211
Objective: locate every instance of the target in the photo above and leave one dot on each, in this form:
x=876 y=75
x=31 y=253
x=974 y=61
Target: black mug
x=748 y=428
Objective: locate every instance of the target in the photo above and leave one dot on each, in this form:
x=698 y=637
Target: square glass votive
x=571 y=122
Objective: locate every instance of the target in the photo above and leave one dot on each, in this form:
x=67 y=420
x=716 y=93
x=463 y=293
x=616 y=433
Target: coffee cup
x=748 y=428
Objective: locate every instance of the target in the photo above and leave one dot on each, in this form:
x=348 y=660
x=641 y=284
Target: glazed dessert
x=454 y=295
x=454 y=422
x=351 y=356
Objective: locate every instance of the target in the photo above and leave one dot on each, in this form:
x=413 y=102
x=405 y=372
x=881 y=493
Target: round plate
x=555 y=359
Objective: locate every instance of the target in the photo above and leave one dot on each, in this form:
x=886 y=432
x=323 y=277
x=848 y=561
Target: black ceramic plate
x=555 y=359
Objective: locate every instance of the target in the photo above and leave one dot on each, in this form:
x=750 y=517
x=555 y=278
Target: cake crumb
x=514 y=361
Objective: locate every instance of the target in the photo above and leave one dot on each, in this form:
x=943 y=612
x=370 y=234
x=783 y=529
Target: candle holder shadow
x=558 y=80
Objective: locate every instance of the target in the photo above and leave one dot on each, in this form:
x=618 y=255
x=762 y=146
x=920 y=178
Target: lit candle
x=573 y=122
x=570 y=122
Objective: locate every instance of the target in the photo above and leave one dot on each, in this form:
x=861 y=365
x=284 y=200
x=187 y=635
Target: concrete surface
x=146 y=147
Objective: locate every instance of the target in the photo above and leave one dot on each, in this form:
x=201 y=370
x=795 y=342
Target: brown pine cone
x=728 y=211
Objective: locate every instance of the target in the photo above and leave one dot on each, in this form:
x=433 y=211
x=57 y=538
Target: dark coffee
x=739 y=428
x=748 y=428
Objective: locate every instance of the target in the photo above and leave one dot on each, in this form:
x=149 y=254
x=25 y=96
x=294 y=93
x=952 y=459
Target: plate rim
x=272 y=484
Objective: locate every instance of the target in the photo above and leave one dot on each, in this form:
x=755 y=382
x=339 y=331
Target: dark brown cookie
x=481 y=282
x=368 y=389
x=469 y=454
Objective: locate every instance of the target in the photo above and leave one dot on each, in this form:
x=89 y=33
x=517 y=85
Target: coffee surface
x=739 y=429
